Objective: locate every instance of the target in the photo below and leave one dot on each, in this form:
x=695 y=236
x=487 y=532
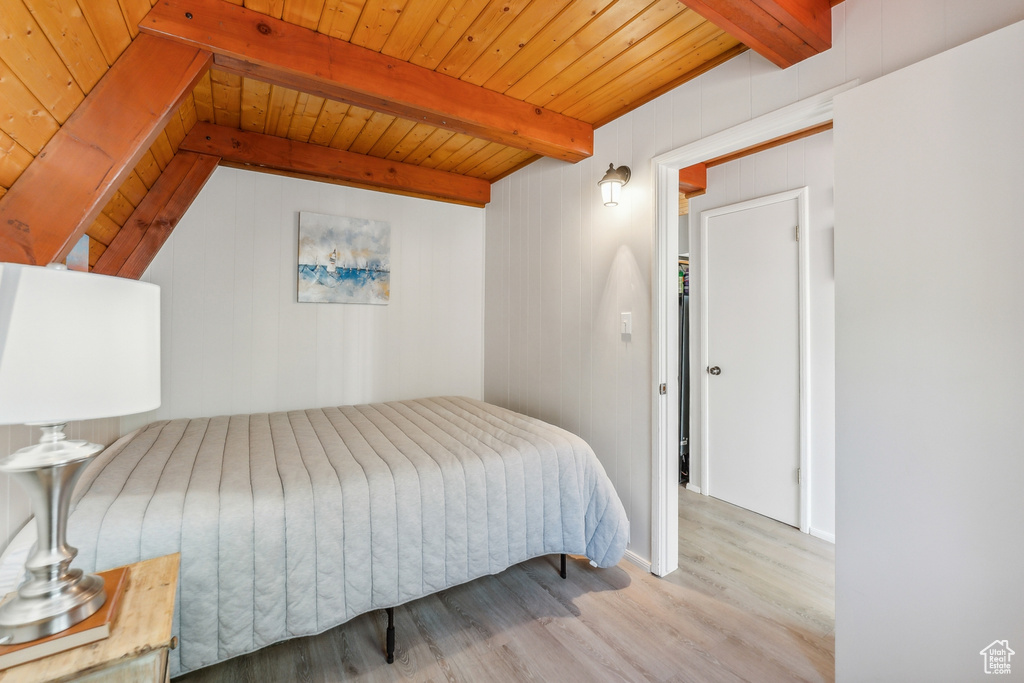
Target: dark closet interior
x=684 y=370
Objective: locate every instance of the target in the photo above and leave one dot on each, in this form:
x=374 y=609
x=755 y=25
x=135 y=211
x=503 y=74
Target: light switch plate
x=626 y=324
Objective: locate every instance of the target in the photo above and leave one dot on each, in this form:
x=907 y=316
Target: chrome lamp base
x=53 y=597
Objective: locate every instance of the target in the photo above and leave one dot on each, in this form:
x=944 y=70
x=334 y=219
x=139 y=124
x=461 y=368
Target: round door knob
x=715 y=370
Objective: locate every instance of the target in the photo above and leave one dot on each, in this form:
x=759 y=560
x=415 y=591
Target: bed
x=289 y=524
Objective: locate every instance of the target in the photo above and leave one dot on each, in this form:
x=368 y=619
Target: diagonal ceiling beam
x=253 y=44
x=138 y=241
x=783 y=31
x=260 y=152
x=62 y=191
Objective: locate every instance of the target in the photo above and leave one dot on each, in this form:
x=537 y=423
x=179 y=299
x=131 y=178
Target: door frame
x=812 y=111
x=804 y=336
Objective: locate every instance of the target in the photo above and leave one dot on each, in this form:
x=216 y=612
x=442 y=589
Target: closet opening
x=683 y=377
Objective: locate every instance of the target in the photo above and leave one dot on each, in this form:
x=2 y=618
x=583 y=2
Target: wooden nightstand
x=136 y=649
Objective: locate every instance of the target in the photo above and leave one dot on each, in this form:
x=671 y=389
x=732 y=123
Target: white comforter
x=291 y=523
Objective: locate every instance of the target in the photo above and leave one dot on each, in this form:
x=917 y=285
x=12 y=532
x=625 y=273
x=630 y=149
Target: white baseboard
x=823 y=535
x=690 y=487
x=638 y=561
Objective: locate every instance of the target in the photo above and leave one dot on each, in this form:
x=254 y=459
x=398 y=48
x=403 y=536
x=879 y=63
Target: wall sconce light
x=612 y=183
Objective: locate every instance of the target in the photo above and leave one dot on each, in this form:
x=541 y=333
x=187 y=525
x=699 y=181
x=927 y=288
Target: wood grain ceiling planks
x=26 y=51
x=588 y=60
x=348 y=128
x=250 y=44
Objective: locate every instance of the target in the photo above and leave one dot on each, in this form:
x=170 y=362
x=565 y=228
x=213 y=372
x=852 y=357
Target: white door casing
x=798 y=116
x=755 y=332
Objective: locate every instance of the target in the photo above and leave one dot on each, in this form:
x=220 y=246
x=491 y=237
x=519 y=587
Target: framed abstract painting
x=343 y=260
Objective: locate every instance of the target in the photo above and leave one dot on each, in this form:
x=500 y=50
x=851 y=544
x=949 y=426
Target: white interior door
x=752 y=342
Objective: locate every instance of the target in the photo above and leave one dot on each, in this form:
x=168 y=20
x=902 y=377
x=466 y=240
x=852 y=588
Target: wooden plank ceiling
x=588 y=60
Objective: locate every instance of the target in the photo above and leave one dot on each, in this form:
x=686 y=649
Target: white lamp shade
x=76 y=346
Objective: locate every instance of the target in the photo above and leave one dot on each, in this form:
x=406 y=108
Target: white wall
x=14 y=504
x=560 y=269
x=234 y=339
x=560 y=266
x=796 y=164
x=929 y=369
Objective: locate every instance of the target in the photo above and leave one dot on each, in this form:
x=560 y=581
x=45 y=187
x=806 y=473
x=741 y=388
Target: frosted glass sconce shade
x=612 y=183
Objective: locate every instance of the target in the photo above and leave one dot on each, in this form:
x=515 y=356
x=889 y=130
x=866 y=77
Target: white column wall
x=929 y=370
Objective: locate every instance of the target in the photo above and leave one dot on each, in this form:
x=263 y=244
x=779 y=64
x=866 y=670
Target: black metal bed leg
x=563 y=566
x=391 y=634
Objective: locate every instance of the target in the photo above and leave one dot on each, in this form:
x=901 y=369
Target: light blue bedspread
x=291 y=523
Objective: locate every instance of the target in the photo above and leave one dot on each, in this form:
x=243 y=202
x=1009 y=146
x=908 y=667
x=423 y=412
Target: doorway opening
x=800 y=116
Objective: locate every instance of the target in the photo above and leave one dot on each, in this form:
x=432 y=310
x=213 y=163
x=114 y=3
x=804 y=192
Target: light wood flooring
x=751 y=601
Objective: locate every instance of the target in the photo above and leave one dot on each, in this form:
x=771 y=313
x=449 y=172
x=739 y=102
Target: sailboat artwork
x=343 y=260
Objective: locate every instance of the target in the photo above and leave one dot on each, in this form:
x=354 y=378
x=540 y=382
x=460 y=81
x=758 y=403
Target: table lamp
x=73 y=346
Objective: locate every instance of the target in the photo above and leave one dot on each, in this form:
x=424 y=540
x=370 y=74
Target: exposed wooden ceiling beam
x=783 y=31
x=693 y=180
x=253 y=44
x=138 y=241
x=62 y=191
x=768 y=144
x=260 y=152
